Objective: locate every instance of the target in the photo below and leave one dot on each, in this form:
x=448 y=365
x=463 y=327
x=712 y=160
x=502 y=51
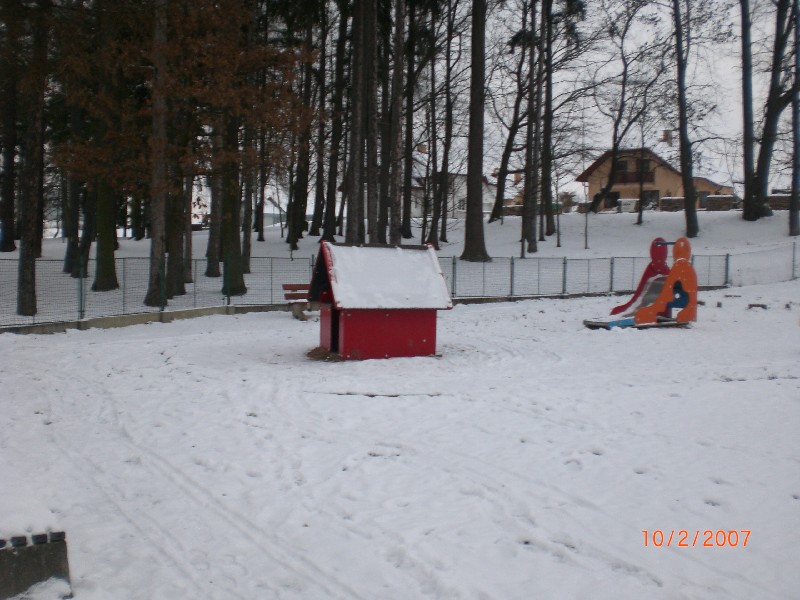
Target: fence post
x=727 y=281
x=611 y=277
x=538 y=276
x=124 y=264
x=453 y=292
x=194 y=282
x=512 y=277
x=589 y=276
x=81 y=275
x=226 y=288
x=162 y=283
x=564 y=278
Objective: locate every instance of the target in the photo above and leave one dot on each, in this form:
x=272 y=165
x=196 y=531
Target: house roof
x=583 y=177
x=381 y=277
x=711 y=182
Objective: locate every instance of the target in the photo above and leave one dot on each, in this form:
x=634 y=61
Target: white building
x=456 y=196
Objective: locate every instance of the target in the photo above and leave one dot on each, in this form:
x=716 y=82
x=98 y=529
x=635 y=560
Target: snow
x=387 y=278
x=46 y=590
x=210 y=458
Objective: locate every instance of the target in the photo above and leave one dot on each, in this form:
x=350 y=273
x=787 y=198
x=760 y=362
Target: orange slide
x=658 y=295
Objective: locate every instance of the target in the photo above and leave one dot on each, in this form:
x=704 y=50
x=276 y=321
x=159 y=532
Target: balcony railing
x=634 y=177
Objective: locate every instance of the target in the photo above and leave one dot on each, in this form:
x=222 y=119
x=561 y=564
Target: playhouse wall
x=387 y=333
x=326 y=327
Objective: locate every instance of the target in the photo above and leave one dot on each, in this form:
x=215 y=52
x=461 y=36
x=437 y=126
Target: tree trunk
x=474 y=242
x=329 y=226
x=319 y=186
x=748 y=130
x=371 y=116
x=547 y=122
x=80 y=266
x=262 y=193
x=105 y=274
x=385 y=132
x=158 y=176
x=9 y=91
x=138 y=227
x=508 y=148
x=249 y=177
x=535 y=70
x=434 y=180
x=355 y=186
x=408 y=167
x=72 y=207
x=447 y=143
x=233 y=280
x=794 y=204
x=395 y=132
x=777 y=100
x=215 y=213
x=188 y=263
x=175 y=231
x=297 y=215
x=692 y=227
x=30 y=231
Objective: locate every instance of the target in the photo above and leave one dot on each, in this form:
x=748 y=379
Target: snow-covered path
x=211 y=459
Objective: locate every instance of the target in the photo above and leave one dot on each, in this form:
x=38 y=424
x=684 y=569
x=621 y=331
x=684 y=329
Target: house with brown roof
x=658 y=178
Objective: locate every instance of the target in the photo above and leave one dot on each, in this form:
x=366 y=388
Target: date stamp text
x=683 y=538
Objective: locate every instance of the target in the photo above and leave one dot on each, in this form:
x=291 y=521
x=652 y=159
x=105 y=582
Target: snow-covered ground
x=210 y=458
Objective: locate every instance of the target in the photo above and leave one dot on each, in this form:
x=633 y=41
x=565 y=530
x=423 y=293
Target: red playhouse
x=378 y=301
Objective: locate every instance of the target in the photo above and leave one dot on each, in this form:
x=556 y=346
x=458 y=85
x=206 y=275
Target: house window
x=643 y=165
x=622 y=166
x=703 y=199
x=461 y=204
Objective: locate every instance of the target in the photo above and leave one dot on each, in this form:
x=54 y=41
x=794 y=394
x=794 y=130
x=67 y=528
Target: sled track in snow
x=153 y=474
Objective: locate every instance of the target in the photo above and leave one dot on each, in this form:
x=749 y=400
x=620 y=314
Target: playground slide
x=651 y=290
x=659 y=293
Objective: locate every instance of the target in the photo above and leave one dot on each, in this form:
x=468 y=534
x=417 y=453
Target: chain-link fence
x=60 y=297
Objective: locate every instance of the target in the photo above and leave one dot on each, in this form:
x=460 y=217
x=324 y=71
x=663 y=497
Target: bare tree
x=794 y=207
x=681 y=26
x=474 y=241
x=395 y=134
x=779 y=96
x=622 y=96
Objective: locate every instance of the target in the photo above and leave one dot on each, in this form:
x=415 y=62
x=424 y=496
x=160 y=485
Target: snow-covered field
x=609 y=234
x=210 y=458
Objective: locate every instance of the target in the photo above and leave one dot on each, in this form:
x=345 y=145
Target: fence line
x=61 y=297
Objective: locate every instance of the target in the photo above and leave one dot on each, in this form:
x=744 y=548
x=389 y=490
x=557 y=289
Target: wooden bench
x=296 y=295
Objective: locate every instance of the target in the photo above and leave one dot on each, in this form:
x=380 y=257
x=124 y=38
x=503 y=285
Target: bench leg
x=297 y=311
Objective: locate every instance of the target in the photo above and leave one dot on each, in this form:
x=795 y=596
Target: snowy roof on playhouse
x=381 y=277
